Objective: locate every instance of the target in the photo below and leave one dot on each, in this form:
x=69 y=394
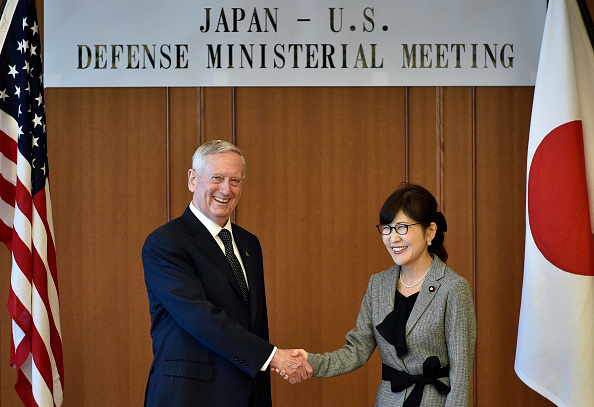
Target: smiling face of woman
x=410 y=250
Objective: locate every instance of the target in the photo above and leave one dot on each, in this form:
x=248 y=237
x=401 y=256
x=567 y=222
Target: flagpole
x=587 y=20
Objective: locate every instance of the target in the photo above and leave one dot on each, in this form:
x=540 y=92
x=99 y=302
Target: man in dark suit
x=205 y=283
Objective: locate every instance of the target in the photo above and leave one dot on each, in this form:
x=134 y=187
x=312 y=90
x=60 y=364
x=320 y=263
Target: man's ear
x=192 y=176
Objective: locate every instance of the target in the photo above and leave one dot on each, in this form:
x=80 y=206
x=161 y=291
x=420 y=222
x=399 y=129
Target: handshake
x=291 y=364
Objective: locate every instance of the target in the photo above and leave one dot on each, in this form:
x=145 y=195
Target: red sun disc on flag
x=558 y=208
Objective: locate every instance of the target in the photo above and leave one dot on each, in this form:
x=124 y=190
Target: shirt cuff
x=265 y=366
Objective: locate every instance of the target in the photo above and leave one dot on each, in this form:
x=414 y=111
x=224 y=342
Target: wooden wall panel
x=457 y=182
x=424 y=138
x=217 y=115
x=457 y=186
x=119 y=203
x=502 y=140
x=183 y=139
x=320 y=164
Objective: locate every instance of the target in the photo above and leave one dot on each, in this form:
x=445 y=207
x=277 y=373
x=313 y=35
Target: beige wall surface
x=320 y=163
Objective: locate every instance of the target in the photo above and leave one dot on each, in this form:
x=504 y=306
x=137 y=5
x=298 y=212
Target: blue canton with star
x=21 y=89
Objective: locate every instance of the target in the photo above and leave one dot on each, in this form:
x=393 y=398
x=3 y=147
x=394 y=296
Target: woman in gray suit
x=419 y=313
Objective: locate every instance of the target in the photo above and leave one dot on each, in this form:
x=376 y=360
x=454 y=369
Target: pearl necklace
x=411 y=286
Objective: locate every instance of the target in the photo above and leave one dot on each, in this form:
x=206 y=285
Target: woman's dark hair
x=420 y=205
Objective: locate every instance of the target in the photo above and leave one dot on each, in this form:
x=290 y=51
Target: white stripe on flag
x=6 y=213
x=9 y=126
x=39 y=236
x=24 y=172
x=22 y=226
x=48 y=210
x=8 y=169
x=23 y=289
x=17 y=334
x=41 y=393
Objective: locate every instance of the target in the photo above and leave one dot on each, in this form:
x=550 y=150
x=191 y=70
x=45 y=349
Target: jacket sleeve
x=360 y=344
x=460 y=327
x=179 y=293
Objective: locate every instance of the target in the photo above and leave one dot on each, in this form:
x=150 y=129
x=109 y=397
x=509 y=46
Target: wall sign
x=287 y=43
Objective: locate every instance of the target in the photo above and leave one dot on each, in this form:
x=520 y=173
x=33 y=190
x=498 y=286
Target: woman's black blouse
x=392 y=328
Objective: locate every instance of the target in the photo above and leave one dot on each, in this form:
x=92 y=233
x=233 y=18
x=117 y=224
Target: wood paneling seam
x=233 y=107
x=233 y=135
x=439 y=139
x=474 y=193
x=201 y=118
x=406 y=136
x=168 y=160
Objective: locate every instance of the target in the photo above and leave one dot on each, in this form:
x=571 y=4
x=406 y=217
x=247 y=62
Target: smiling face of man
x=216 y=191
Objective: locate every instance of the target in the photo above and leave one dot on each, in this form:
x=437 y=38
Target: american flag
x=25 y=210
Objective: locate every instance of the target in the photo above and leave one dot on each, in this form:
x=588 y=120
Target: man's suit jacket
x=208 y=347
x=442 y=323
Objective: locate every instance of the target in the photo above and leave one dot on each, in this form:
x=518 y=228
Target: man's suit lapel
x=425 y=296
x=204 y=242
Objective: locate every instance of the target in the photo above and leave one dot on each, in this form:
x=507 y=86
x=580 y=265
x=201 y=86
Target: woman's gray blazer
x=442 y=323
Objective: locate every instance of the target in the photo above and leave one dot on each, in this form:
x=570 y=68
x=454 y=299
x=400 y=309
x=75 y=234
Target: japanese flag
x=555 y=349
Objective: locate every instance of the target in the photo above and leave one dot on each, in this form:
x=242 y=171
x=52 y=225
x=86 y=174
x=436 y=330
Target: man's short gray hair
x=213 y=147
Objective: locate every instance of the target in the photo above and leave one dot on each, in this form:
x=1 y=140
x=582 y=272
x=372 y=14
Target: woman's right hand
x=297 y=352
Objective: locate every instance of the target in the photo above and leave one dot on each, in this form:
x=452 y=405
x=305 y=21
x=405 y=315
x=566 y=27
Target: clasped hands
x=291 y=364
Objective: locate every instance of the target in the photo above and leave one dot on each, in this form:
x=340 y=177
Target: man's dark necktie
x=225 y=236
